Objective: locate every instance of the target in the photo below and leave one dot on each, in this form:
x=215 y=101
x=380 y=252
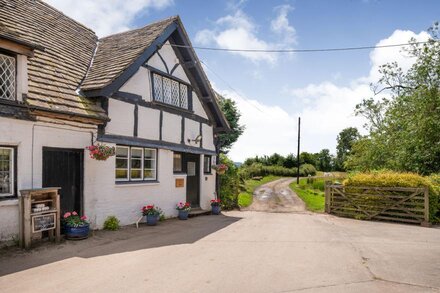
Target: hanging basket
x=220 y=168
x=101 y=152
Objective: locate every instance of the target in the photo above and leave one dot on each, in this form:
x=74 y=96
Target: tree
x=232 y=114
x=276 y=159
x=290 y=161
x=307 y=158
x=324 y=160
x=345 y=140
x=405 y=128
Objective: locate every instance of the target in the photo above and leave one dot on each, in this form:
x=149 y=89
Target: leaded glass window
x=170 y=91
x=7 y=77
x=6 y=171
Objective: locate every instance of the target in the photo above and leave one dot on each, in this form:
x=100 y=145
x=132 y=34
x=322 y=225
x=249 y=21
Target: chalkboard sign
x=43 y=222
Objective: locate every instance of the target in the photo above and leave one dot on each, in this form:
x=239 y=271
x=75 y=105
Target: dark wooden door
x=192 y=164
x=64 y=168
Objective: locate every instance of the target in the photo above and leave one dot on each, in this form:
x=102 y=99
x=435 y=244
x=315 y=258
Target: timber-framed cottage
x=63 y=89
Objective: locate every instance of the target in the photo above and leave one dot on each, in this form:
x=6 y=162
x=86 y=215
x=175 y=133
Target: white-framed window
x=135 y=164
x=7 y=77
x=207 y=164
x=7 y=172
x=170 y=91
x=122 y=156
x=177 y=162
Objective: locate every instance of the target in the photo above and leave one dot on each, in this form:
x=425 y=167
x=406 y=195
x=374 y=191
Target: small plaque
x=43 y=222
x=180 y=182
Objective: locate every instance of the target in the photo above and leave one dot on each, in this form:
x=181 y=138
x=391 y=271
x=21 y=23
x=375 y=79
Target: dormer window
x=7 y=77
x=170 y=91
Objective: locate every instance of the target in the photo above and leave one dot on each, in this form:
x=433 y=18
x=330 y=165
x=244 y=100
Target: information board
x=43 y=222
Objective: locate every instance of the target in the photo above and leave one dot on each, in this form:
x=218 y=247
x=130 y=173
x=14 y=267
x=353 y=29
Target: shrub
x=111 y=223
x=229 y=185
x=259 y=170
x=395 y=179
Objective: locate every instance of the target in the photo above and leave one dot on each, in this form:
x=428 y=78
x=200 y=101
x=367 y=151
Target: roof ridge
x=68 y=17
x=174 y=17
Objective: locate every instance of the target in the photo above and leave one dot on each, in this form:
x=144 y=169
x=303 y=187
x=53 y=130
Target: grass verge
x=311 y=194
x=245 y=197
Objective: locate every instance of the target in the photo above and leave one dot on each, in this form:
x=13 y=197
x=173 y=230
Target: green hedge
x=257 y=170
x=395 y=179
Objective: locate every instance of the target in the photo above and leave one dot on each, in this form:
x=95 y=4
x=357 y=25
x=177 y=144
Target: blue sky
x=272 y=90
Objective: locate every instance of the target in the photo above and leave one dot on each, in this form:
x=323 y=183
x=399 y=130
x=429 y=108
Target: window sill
x=8 y=201
x=165 y=105
x=136 y=183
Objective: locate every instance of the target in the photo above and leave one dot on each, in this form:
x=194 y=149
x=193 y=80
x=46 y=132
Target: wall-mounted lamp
x=196 y=140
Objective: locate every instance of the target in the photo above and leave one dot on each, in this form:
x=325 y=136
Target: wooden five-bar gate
x=399 y=204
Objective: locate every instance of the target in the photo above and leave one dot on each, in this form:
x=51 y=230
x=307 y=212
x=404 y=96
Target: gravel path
x=277 y=197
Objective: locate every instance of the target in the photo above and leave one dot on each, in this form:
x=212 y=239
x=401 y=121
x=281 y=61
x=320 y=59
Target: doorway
x=65 y=168
x=192 y=165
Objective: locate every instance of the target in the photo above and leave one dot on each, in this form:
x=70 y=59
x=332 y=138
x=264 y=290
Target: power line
x=222 y=79
x=301 y=50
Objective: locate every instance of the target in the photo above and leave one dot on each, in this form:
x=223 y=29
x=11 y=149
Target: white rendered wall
x=139 y=84
x=22 y=76
x=148 y=123
x=192 y=130
x=207 y=186
x=208 y=137
x=197 y=106
x=171 y=127
x=122 y=118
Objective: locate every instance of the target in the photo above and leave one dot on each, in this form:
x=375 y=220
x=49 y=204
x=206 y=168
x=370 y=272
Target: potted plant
x=220 y=168
x=152 y=214
x=215 y=206
x=76 y=227
x=183 y=209
x=100 y=151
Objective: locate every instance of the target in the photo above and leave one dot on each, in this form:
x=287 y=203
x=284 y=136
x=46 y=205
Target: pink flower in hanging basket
x=101 y=152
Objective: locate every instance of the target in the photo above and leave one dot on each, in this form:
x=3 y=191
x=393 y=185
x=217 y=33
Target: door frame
x=198 y=175
x=81 y=171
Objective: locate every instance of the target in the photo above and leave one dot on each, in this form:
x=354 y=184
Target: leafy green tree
x=324 y=160
x=307 y=158
x=232 y=114
x=276 y=159
x=345 y=141
x=290 y=161
x=405 y=128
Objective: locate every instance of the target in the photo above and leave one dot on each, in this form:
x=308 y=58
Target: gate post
x=426 y=223
x=327 y=197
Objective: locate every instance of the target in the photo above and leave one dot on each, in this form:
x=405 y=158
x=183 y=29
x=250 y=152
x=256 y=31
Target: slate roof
x=55 y=72
x=117 y=52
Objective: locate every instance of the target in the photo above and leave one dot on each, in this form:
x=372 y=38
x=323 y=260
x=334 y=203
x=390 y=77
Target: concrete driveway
x=236 y=252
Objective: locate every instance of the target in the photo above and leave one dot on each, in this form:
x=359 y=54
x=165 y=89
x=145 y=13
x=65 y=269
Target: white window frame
x=11 y=171
x=128 y=164
x=209 y=171
x=150 y=169
x=141 y=169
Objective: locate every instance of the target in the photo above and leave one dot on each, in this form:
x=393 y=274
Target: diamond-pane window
x=175 y=101
x=7 y=77
x=166 y=90
x=157 y=80
x=170 y=91
x=183 y=96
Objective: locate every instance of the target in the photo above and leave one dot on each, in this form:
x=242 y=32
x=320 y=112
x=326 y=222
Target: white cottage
x=142 y=91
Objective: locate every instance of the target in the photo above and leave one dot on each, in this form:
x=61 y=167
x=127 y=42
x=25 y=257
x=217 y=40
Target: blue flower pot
x=152 y=220
x=76 y=233
x=183 y=215
x=216 y=210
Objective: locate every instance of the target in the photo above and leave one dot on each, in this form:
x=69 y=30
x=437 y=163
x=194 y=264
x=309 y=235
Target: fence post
x=426 y=223
x=327 y=197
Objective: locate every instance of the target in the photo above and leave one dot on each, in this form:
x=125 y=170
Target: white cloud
x=107 y=16
x=239 y=31
x=281 y=26
x=325 y=109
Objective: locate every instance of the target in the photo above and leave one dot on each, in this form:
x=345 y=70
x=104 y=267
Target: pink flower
x=83 y=218
x=74 y=214
x=66 y=215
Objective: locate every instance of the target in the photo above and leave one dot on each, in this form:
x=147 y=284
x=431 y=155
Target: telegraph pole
x=297 y=156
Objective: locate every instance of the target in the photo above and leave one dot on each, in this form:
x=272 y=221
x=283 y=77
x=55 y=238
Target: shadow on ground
x=169 y=232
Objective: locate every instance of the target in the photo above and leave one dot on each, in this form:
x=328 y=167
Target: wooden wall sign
x=180 y=182
x=43 y=222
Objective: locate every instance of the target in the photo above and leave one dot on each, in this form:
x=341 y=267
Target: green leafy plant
x=151 y=210
x=111 y=223
x=72 y=219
